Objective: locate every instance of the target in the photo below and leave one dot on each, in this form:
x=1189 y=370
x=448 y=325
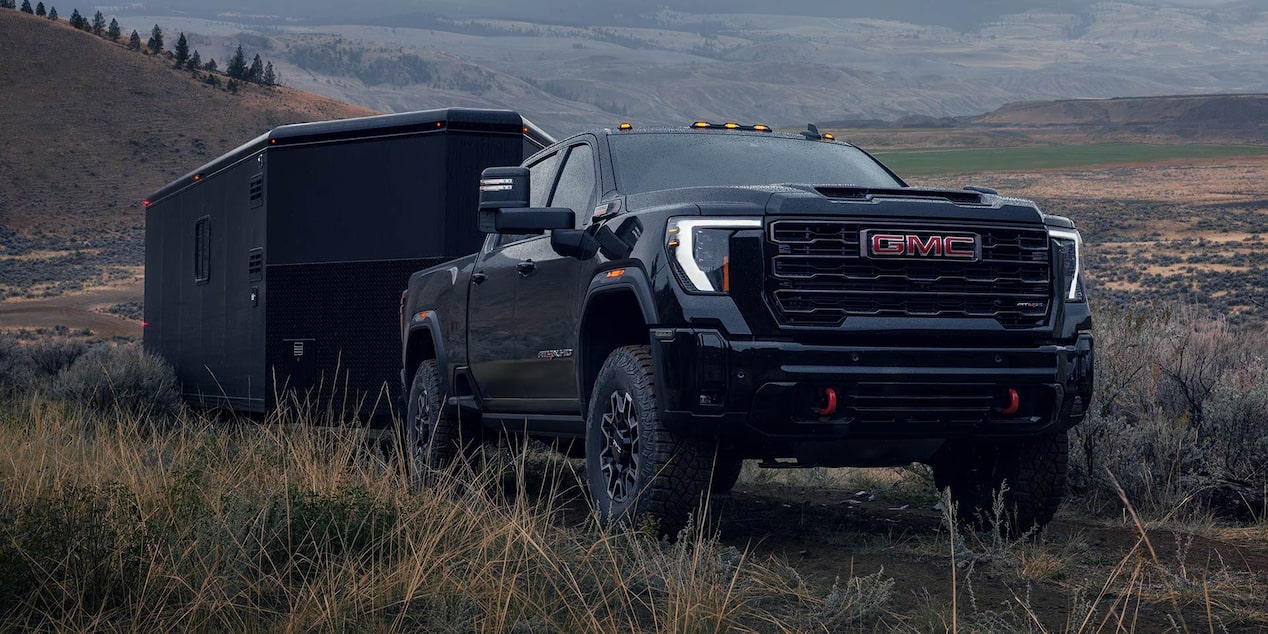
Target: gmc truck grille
x=819 y=273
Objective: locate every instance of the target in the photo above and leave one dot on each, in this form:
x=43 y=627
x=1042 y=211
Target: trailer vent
x=255 y=264
x=257 y=190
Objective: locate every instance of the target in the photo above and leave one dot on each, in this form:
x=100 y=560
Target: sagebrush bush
x=1181 y=410
x=29 y=365
x=120 y=378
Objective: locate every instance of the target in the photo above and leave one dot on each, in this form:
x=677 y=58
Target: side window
x=575 y=189
x=541 y=176
x=202 y=250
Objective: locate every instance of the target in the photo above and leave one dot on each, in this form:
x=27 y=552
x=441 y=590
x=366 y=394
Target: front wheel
x=1031 y=473
x=637 y=469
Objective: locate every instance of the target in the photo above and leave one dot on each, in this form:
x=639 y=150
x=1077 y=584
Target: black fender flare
x=631 y=280
x=425 y=324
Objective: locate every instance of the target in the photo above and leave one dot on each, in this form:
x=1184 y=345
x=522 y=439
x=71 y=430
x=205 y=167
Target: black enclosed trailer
x=276 y=269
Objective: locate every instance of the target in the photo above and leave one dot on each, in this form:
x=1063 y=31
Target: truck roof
x=471 y=119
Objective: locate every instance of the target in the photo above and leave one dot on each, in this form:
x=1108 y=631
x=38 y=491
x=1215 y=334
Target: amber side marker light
x=615 y=273
x=829 y=137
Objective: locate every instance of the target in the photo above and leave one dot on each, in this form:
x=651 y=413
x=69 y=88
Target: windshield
x=652 y=161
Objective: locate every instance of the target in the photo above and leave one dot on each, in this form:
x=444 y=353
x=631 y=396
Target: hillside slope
x=1247 y=114
x=88 y=129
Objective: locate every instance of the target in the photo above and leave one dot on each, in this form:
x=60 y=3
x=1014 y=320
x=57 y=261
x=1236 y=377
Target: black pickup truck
x=671 y=302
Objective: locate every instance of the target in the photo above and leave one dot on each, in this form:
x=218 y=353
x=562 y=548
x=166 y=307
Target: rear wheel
x=637 y=468
x=432 y=438
x=1032 y=472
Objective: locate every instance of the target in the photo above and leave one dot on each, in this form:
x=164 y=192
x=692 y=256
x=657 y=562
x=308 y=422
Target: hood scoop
x=846 y=192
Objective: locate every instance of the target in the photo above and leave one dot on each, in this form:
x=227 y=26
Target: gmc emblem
x=884 y=244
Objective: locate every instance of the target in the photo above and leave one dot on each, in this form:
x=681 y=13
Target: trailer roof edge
x=363 y=127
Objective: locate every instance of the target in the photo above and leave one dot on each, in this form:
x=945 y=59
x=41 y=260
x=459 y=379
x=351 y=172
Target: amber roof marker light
x=625 y=126
x=731 y=125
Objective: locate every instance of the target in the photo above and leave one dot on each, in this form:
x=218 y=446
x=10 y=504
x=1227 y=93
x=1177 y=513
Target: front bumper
x=773 y=395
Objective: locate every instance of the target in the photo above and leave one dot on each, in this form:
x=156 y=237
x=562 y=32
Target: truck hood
x=844 y=200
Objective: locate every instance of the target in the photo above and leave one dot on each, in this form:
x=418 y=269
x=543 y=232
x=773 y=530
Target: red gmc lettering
x=959 y=247
x=916 y=247
x=888 y=244
x=911 y=245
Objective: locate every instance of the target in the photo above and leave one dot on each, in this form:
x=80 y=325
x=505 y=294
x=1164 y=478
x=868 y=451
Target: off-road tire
x=667 y=472
x=1034 y=471
x=431 y=438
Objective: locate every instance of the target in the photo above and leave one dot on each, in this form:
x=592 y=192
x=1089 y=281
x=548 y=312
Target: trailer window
x=202 y=250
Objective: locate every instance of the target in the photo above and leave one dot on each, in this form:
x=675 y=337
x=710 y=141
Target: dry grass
x=113 y=526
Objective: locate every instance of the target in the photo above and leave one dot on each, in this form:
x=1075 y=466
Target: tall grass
x=106 y=524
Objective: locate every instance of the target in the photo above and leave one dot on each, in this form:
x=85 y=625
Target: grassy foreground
x=122 y=511
x=962 y=160
x=106 y=524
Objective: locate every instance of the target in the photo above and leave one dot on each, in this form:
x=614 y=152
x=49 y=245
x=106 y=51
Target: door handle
x=478 y=278
x=525 y=267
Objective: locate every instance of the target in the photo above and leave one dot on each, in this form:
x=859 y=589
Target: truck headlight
x=1070 y=250
x=700 y=250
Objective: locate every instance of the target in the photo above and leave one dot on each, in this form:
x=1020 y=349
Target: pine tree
x=26 y=6
x=256 y=72
x=77 y=20
x=134 y=42
x=114 y=32
x=98 y=24
x=232 y=86
x=6 y=4
x=270 y=77
x=195 y=62
x=237 y=68
x=52 y=13
x=181 y=51
x=156 y=40
x=39 y=9
x=211 y=65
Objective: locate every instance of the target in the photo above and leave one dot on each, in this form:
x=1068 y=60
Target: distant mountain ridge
x=673 y=66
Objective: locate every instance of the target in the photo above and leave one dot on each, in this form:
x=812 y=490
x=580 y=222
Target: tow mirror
x=501 y=188
x=533 y=219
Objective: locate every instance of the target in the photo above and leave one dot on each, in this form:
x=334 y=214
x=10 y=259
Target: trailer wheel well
x=611 y=320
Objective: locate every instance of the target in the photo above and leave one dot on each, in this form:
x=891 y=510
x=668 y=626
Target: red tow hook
x=830 y=398
x=1014 y=403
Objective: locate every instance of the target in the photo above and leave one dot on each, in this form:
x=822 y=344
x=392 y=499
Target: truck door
x=491 y=318
x=546 y=297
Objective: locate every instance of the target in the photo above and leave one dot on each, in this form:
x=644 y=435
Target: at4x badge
x=560 y=353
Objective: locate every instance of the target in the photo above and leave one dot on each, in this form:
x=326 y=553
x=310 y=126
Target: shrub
x=1181 y=408
x=120 y=377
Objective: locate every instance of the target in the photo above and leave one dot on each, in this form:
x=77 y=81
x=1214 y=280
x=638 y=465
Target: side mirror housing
x=533 y=219
x=501 y=188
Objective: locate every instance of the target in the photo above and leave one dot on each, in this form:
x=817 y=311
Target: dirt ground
x=76 y=311
x=1043 y=584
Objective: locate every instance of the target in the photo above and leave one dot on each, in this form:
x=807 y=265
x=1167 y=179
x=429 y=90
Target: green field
x=955 y=161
